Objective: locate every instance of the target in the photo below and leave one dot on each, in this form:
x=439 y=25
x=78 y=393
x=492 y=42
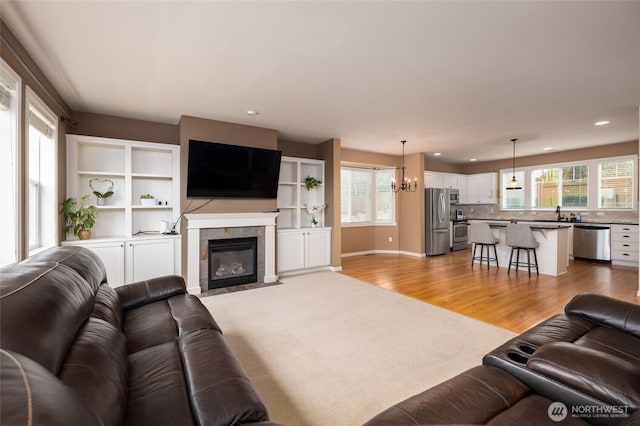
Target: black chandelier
x=405 y=185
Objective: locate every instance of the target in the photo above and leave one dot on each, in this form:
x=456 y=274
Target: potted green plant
x=102 y=189
x=78 y=219
x=310 y=183
x=147 y=200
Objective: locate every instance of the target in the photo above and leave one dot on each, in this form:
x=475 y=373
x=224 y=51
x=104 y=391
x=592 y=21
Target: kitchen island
x=553 y=249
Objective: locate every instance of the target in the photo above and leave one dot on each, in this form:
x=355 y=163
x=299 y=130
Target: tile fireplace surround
x=212 y=224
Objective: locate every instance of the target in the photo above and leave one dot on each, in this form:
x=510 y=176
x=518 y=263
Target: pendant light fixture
x=513 y=183
x=405 y=185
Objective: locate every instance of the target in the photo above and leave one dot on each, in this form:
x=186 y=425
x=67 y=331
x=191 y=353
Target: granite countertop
x=503 y=224
x=566 y=222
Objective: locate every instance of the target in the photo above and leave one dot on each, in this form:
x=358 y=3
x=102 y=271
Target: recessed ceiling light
x=437 y=154
x=547 y=148
x=601 y=123
x=473 y=159
x=252 y=112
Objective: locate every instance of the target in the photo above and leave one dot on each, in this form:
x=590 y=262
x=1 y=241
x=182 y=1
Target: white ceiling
x=461 y=78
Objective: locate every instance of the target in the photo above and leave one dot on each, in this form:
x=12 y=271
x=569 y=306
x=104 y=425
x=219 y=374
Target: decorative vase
x=148 y=202
x=101 y=201
x=84 y=234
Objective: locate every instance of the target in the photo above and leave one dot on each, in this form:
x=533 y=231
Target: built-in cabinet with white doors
x=128 y=235
x=300 y=249
x=302 y=246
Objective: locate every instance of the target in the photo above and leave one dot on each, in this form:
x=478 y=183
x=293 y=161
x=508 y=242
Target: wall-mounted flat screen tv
x=217 y=170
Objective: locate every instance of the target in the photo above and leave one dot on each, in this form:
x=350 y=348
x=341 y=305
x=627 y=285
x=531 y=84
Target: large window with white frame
x=366 y=196
x=41 y=174
x=605 y=184
x=10 y=85
x=615 y=184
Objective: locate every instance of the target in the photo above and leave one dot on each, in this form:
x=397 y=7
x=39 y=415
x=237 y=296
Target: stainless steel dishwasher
x=592 y=242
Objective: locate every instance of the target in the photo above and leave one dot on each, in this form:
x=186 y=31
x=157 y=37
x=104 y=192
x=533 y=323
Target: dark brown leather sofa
x=580 y=367
x=75 y=351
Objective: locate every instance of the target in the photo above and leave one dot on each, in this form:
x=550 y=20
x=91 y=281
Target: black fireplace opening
x=233 y=261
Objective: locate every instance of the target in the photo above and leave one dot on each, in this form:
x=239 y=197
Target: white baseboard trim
x=306 y=271
x=364 y=253
x=410 y=253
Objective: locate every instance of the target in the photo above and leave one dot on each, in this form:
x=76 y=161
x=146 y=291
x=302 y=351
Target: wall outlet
x=390 y=239
x=491 y=211
x=600 y=213
x=533 y=213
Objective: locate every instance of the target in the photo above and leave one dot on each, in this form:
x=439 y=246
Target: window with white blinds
x=598 y=184
x=615 y=184
x=41 y=170
x=366 y=196
x=10 y=85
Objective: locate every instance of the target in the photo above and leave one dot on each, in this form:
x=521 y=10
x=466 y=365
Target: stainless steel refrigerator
x=437 y=221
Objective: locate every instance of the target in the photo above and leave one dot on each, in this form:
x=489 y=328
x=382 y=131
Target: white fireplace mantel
x=196 y=222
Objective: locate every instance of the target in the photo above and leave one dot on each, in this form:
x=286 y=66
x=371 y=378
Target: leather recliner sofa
x=75 y=351
x=580 y=367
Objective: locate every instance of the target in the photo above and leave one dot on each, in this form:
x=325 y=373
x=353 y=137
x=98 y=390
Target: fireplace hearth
x=233 y=261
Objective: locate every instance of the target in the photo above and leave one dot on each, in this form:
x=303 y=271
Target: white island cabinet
x=552 y=251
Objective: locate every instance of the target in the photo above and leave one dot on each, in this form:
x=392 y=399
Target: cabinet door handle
x=625 y=245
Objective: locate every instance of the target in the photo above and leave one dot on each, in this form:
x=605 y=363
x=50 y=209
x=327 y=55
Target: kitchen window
x=615 y=184
x=597 y=184
x=513 y=198
x=366 y=197
x=561 y=186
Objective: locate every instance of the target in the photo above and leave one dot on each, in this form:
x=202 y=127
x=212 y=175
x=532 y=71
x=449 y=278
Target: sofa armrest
x=143 y=292
x=612 y=380
x=606 y=311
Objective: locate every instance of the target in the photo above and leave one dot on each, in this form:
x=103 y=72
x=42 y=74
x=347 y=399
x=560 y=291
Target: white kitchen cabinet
x=303 y=249
x=624 y=245
x=137 y=258
x=482 y=188
x=433 y=180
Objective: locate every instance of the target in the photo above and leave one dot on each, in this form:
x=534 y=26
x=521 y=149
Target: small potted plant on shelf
x=313 y=211
x=310 y=183
x=78 y=219
x=147 y=200
x=102 y=189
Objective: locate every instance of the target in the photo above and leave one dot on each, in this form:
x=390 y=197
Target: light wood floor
x=512 y=301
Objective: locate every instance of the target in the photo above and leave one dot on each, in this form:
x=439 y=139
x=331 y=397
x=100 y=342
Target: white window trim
x=45 y=113
x=374 y=200
x=593 y=183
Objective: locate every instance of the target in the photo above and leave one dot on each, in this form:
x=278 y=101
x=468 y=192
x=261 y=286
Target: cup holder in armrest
x=527 y=349
x=519 y=358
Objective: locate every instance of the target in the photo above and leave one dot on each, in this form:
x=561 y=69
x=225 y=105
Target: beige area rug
x=326 y=349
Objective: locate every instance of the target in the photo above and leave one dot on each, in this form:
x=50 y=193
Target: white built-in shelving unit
x=128 y=236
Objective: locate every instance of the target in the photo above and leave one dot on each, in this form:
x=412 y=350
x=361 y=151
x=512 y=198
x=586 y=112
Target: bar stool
x=480 y=235
x=520 y=237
